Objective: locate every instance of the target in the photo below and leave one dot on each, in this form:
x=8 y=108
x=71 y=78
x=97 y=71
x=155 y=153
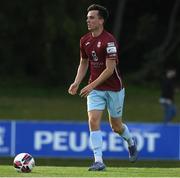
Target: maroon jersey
x=97 y=50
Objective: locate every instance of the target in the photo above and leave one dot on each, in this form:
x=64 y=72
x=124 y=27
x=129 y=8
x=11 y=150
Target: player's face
x=94 y=21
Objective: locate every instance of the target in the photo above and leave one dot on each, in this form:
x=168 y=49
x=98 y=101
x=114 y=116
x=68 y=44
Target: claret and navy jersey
x=97 y=50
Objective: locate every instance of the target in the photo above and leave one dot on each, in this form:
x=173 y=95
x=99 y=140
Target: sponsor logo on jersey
x=111 y=50
x=87 y=43
x=110 y=44
x=94 y=56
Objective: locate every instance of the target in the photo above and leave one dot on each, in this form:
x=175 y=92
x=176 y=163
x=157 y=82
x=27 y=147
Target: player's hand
x=73 y=88
x=86 y=90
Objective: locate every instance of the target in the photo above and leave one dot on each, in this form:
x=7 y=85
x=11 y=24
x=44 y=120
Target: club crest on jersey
x=99 y=44
x=94 y=56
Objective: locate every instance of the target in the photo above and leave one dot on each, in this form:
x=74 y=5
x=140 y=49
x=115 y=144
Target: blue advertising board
x=6 y=137
x=71 y=140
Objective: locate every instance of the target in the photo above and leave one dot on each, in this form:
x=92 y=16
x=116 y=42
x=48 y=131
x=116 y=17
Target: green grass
x=52 y=171
x=38 y=103
x=41 y=104
x=48 y=167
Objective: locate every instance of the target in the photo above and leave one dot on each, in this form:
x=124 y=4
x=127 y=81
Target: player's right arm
x=81 y=72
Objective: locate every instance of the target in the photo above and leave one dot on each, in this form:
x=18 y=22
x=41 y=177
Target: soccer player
x=99 y=52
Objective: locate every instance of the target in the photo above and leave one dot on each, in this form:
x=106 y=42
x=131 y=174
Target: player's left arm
x=108 y=71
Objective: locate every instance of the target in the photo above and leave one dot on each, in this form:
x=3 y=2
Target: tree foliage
x=40 y=38
x=153 y=42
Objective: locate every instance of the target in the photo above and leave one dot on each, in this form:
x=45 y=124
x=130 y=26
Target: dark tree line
x=40 y=38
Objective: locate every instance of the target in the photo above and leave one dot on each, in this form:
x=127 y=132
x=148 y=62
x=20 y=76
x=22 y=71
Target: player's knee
x=93 y=123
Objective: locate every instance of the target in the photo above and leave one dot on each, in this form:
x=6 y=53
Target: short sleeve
x=82 y=51
x=112 y=50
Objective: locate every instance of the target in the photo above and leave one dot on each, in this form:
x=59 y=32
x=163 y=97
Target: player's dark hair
x=103 y=12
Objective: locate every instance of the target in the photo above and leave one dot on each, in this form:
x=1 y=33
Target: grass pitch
x=38 y=103
x=57 y=171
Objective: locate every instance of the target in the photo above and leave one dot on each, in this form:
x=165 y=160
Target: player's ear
x=101 y=21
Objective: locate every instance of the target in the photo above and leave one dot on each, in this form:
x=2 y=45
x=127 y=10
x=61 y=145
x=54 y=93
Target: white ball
x=24 y=162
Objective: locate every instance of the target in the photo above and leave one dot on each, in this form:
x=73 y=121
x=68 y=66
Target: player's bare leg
x=119 y=127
